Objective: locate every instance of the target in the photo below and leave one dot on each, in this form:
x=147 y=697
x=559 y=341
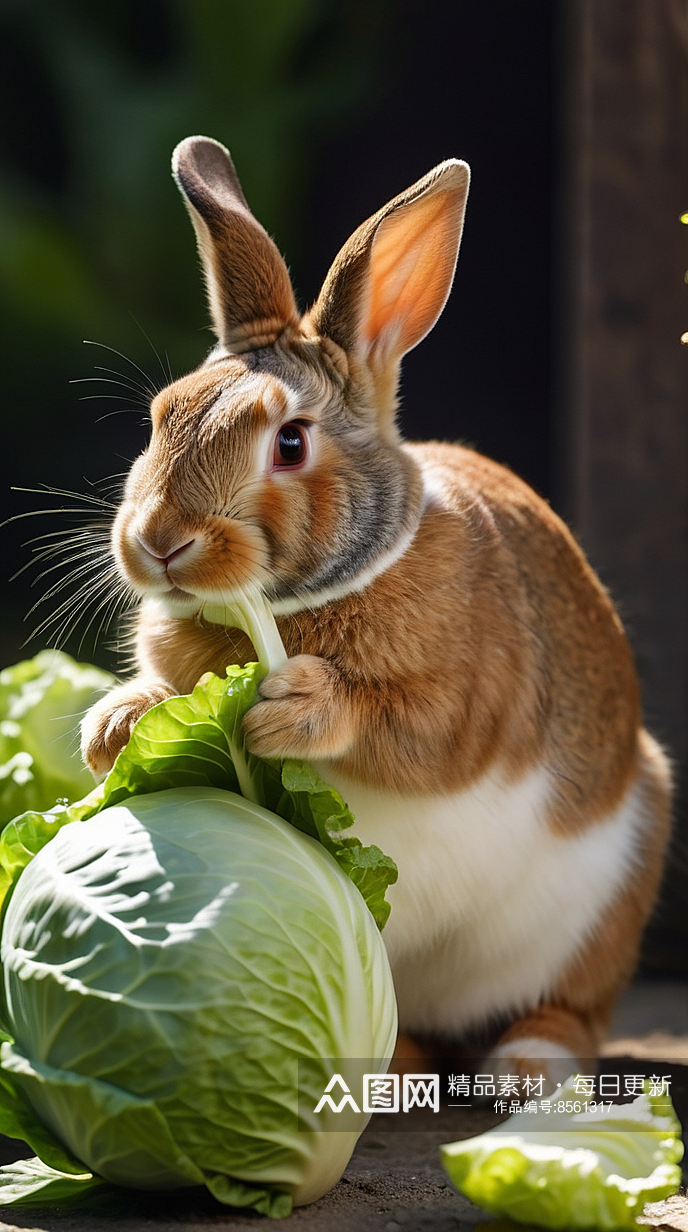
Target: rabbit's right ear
x=249 y=290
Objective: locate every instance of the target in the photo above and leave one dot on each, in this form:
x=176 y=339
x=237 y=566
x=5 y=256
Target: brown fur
x=581 y=1006
x=517 y=695
x=251 y=297
x=607 y=961
x=487 y=644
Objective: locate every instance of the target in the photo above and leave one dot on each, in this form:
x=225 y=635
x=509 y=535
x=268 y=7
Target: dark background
x=330 y=107
x=343 y=106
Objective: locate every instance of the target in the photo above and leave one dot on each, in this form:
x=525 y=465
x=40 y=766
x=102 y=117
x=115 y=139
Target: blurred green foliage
x=88 y=220
x=92 y=230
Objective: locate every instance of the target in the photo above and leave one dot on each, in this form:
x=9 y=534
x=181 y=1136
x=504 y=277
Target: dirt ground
x=394 y=1182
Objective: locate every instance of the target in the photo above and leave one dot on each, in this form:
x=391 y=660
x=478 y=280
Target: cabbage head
x=172 y=968
x=183 y=949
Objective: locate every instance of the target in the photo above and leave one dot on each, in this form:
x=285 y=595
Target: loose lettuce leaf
x=31 y=1182
x=585 y=1170
x=34 y=1184
x=196 y=741
x=42 y=701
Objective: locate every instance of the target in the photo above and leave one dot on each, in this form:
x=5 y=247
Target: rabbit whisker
x=134 y=384
x=55 y=550
x=150 y=386
x=89 y=498
x=82 y=556
x=122 y=383
x=70 y=536
x=166 y=374
x=124 y=410
x=91 y=580
x=105 y=603
x=68 y=614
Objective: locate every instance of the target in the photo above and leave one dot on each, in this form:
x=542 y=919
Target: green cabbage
x=42 y=701
x=175 y=953
x=586 y=1170
x=167 y=965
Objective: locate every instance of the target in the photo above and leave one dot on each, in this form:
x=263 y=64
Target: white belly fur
x=490 y=905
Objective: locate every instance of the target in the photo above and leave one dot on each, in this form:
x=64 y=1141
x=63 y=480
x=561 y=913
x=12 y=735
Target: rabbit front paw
x=304 y=712
x=107 y=726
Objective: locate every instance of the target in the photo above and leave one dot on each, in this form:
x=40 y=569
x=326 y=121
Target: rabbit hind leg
x=566 y=1030
x=552 y=1042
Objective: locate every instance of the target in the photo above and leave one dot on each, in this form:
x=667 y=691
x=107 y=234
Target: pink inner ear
x=411 y=270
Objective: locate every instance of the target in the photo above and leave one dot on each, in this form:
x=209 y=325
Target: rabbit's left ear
x=390 y=281
x=249 y=290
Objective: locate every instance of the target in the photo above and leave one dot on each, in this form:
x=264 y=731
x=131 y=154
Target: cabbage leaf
x=584 y=1170
x=196 y=741
x=42 y=701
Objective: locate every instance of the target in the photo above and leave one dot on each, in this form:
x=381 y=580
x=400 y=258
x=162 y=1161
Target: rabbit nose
x=167 y=557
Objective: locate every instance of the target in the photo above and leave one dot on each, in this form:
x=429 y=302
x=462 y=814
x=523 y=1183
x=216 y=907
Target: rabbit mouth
x=162 y=554
x=185 y=596
x=174 y=601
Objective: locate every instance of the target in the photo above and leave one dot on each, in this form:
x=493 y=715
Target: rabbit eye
x=290 y=445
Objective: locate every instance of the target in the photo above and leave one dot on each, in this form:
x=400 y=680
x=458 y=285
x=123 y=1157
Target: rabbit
x=455 y=668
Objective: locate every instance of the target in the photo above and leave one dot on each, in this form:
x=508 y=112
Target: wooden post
x=624 y=447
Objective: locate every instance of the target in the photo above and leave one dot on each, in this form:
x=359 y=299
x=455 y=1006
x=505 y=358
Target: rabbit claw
x=301 y=714
x=107 y=726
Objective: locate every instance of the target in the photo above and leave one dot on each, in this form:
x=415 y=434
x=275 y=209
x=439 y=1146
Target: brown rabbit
x=456 y=669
